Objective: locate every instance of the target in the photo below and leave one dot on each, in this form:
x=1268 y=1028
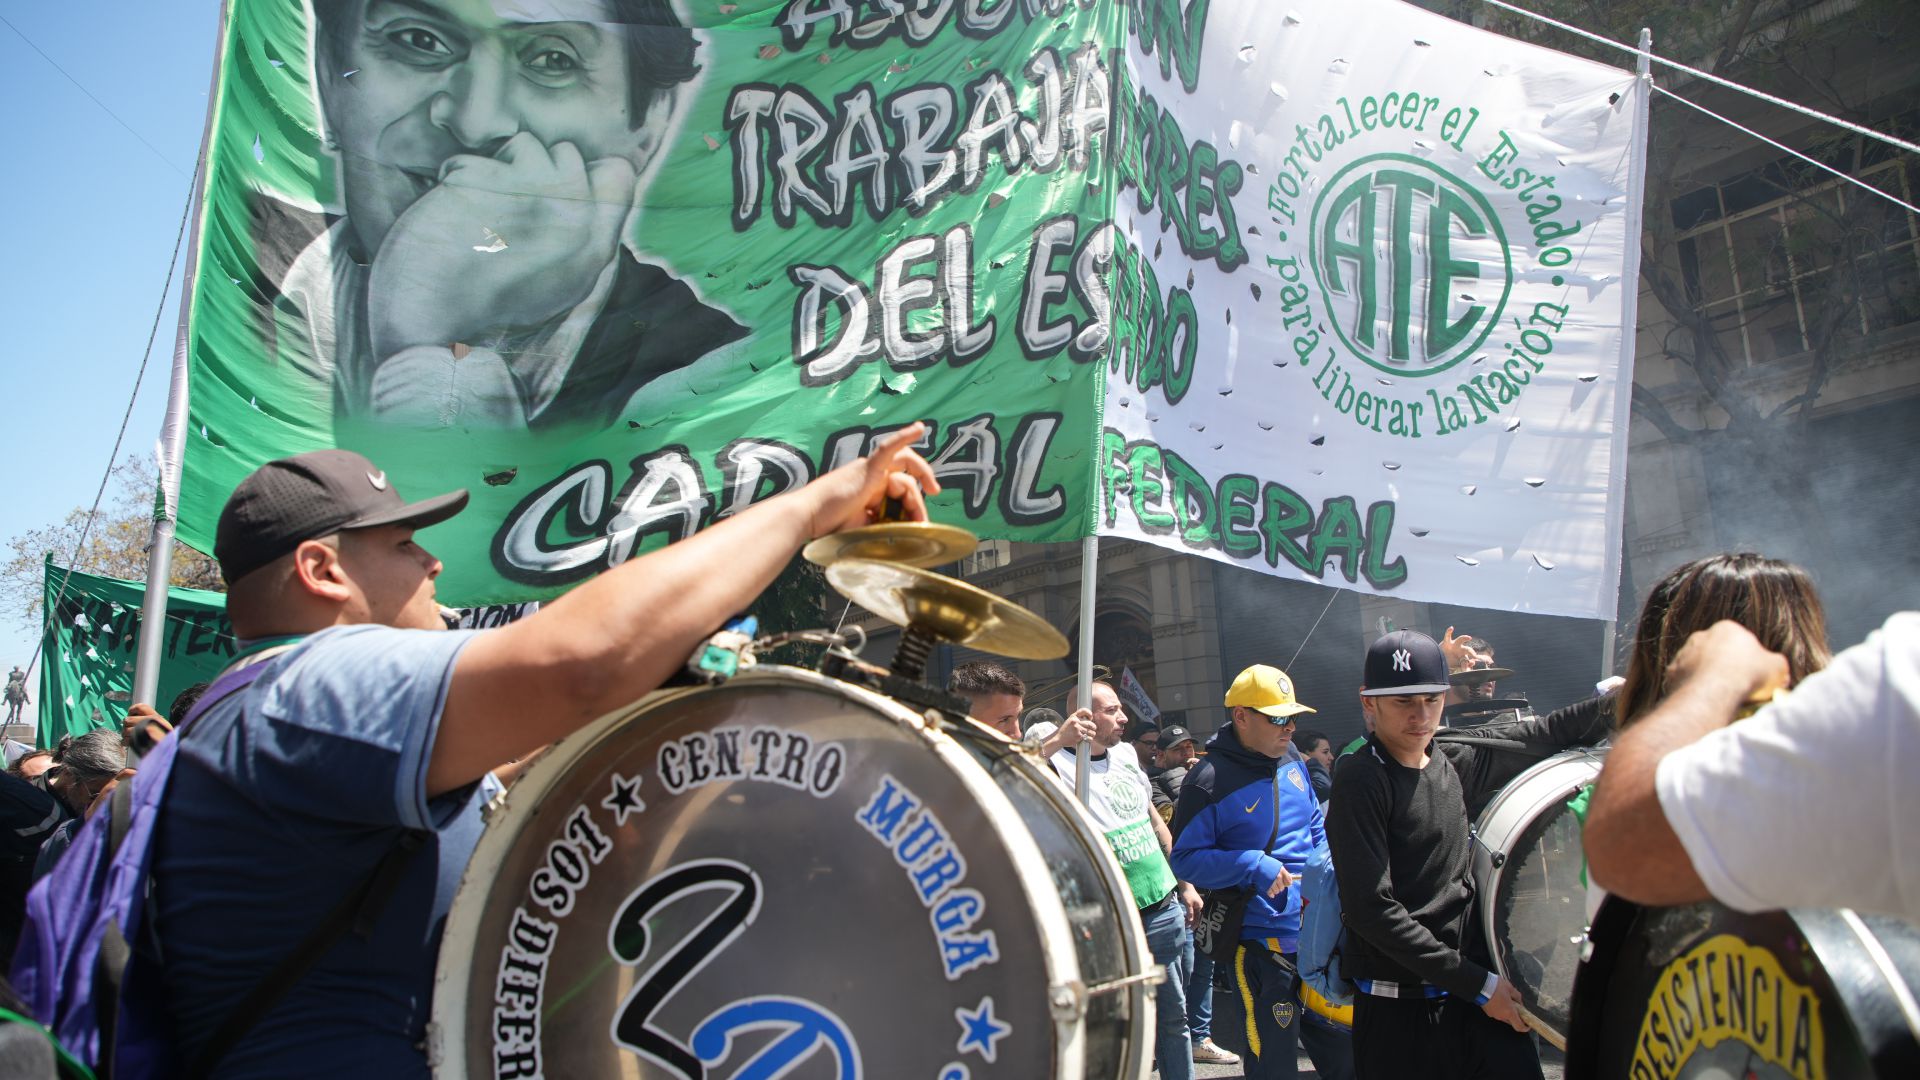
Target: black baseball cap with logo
x=1405 y=662
x=307 y=496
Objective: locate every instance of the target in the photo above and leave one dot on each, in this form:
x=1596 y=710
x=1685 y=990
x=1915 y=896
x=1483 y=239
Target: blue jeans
x=1170 y=944
x=1200 y=996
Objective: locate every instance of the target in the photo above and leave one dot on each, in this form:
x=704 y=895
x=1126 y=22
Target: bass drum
x=1704 y=993
x=1527 y=866
x=790 y=876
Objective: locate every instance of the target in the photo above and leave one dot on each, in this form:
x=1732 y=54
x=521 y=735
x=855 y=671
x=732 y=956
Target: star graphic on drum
x=980 y=1031
x=624 y=799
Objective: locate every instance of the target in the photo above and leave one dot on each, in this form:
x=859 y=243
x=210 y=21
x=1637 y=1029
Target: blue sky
x=89 y=220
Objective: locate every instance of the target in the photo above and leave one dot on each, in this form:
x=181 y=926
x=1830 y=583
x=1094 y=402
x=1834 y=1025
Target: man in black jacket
x=1398 y=827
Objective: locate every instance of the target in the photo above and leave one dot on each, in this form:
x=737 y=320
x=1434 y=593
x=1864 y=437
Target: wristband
x=1487 y=988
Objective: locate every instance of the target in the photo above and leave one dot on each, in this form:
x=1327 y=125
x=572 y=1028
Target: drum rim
x=447 y=1027
x=1534 y=783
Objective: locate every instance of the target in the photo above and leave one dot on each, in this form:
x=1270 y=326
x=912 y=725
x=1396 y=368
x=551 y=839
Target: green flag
x=87 y=649
x=623 y=267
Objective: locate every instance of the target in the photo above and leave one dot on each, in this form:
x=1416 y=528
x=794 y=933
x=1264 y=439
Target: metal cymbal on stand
x=935 y=608
x=912 y=543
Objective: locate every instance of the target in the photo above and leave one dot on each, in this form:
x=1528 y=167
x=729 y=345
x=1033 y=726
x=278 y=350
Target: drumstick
x=1541 y=1028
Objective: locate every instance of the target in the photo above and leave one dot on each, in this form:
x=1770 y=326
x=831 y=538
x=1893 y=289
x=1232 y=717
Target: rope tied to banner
x=1718 y=80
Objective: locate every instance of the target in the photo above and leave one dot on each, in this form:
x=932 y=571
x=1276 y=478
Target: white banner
x=1370 y=279
x=1136 y=696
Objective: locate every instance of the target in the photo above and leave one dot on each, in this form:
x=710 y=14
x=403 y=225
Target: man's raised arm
x=624 y=633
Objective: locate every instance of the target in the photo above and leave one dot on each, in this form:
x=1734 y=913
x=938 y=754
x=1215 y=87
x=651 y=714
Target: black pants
x=1443 y=1038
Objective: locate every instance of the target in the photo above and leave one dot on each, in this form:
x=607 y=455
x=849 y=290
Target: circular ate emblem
x=1412 y=260
x=1125 y=795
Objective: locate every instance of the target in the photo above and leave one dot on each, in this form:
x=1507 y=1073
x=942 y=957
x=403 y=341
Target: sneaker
x=1205 y=1052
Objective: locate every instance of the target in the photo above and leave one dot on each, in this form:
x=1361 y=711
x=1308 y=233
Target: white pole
x=1629 y=318
x=1089 y=566
x=173 y=430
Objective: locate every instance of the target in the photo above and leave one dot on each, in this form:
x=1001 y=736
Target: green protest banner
x=87 y=649
x=623 y=267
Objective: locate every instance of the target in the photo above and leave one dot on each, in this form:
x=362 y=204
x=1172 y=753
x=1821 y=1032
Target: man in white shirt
x=1121 y=803
x=1691 y=805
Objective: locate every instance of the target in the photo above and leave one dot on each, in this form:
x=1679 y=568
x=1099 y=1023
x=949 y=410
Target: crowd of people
x=1689 y=807
x=356 y=729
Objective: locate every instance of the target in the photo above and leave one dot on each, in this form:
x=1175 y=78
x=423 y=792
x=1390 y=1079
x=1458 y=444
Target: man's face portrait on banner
x=489 y=155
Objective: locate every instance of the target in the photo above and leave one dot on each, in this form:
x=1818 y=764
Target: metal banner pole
x=173 y=429
x=1089 y=565
x=1630 y=304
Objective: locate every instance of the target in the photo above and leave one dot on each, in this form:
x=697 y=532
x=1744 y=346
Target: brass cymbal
x=1479 y=676
x=914 y=543
x=948 y=609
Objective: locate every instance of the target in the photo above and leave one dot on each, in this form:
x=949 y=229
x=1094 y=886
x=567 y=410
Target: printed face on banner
x=623 y=268
x=489 y=158
x=431 y=84
x=1370 y=286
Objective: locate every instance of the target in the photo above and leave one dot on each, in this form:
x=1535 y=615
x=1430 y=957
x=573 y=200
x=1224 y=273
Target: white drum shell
x=1542 y=789
x=1001 y=782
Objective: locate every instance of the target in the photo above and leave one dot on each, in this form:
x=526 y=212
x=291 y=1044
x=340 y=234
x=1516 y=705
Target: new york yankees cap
x=1405 y=662
x=286 y=502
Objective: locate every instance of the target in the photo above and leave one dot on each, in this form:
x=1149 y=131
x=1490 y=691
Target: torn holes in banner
x=1542 y=563
x=1468 y=489
x=1534 y=481
x=1468 y=560
x=1419 y=533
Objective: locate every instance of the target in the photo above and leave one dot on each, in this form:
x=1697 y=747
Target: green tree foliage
x=115 y=546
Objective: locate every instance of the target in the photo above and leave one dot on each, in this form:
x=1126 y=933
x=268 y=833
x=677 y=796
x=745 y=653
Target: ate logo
x=1413 y=262
x=1402 y=660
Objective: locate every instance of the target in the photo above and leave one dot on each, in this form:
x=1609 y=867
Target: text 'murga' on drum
x=795 y=873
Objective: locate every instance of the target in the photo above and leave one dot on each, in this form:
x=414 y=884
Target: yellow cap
x=1265 y=689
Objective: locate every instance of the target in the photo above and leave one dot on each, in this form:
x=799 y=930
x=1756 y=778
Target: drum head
x=1528 y=869
x=1704 y=992
x=783 y=871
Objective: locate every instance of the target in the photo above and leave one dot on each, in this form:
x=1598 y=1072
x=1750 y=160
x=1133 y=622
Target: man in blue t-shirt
x=370 y=720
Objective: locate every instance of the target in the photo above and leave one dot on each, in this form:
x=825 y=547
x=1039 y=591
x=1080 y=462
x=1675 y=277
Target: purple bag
x=77 y=966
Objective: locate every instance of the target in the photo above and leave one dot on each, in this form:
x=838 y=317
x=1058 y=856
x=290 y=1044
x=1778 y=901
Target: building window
x=990 y=554
x=1759 y=251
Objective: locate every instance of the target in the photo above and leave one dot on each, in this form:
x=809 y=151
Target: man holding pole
x=1120 y=800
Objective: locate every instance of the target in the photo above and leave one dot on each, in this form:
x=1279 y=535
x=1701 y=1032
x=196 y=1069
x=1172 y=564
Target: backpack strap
x=110 y=962
x=356 y=911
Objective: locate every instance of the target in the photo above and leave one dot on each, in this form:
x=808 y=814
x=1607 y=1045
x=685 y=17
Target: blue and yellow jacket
x=1221 y=823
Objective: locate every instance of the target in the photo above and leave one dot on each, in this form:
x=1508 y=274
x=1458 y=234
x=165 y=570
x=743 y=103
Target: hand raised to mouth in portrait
x=503 y=242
